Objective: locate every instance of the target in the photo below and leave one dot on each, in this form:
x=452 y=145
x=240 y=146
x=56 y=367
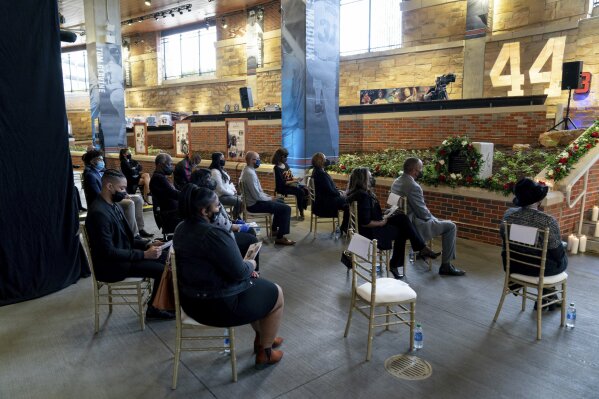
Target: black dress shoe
x=156 y=314
x=395 y=272
x=426 y=252
x=450 y=270
x=145 y=234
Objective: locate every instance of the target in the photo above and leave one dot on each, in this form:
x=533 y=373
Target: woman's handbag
x=346 y=259
x=165 y=296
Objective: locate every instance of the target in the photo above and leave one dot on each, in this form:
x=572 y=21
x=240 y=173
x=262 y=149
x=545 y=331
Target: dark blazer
x=180 y=173
x=281 y=178
x=131 y=169
x=92 y=184
x=111 y=241
x=166 y=197
x=209 y=264
x=327 y=197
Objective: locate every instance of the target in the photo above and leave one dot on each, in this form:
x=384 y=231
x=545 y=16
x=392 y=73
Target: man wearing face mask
x=116 y=254
x=132 y=206
x=258 y=201
x=427 y=225
x=182 y=173
x=164 y=193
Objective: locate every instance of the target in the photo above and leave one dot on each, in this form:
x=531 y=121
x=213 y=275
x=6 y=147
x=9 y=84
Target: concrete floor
x=49 y=350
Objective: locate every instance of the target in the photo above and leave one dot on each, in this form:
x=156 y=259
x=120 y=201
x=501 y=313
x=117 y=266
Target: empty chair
x=369 y=293
x=137 y=289
x=528 y=246
x=190 y=330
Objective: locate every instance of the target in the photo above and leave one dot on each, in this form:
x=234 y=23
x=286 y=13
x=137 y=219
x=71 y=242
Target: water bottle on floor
x=411 y=256
x=226 y=351
x=418 y=337
x=571 y=317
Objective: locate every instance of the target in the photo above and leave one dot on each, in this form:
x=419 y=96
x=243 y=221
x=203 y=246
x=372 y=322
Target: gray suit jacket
x=427 y=225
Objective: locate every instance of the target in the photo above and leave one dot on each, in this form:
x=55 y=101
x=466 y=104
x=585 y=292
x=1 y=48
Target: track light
x=172 y=14
x=129 y=22
x=223 y=23
x=148 y=2
x=156 y=15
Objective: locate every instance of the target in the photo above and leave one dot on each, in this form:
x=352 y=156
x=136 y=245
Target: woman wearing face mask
x=328 y=199
x=132 y=171
x=225 y=189
x=217 y=286
x=243 y=234
x=92 y=175
x=285 y=183
x=372 y=225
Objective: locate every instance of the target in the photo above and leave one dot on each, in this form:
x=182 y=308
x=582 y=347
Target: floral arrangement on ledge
x=508 y=166
x=561 y=165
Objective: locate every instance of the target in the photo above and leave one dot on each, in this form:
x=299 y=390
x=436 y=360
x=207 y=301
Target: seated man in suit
x=182 y=173
x=132 y=205
x=164 y=194
x=260 y=202
x=427 y=225
x=115 y=252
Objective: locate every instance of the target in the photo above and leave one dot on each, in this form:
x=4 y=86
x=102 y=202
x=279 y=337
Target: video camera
x=439 y=90
x=445 y=79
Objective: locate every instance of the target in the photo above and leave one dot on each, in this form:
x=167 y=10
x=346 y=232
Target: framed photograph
x=236 y=132
x=140 y=133
x=181 y=138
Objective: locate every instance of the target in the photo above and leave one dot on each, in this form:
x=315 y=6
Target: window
x=593 y=4
x=190 y=53
x=370 y=25
x=74 y=71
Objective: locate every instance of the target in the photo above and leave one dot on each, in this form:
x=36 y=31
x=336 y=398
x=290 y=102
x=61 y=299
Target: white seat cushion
x=188 y=320
x=558 y=278
x=388 y=290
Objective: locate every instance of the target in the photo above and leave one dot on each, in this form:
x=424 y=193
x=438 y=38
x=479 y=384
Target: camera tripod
x=567 y=119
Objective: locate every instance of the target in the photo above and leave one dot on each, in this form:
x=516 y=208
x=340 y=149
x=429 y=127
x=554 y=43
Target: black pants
x=399 y=228
x=281 y=212
x=301 y=195
x=152 y=268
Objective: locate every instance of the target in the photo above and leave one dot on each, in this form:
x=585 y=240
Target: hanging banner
x=236 y=132
x=140 y=132
x=181 y=138
x=254 y=40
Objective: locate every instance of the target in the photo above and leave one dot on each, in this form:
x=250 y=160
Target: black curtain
x=39 y=250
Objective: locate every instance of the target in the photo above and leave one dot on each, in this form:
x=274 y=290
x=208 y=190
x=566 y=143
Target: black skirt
x=235 y=310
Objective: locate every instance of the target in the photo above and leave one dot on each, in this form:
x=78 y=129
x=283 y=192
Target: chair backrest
x=244 y=210
x=364 y=257
x=525 y=245
x=87 y=249
x=353 y=217
x=311 y=190
x=402 y=203
x=175 y=285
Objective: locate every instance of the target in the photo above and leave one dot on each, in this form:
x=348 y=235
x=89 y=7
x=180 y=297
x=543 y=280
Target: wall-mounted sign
x=585 y=83
x=140 y=133
x=181 y=138
x=236 y=132
x=510 y=52
x=396 y=95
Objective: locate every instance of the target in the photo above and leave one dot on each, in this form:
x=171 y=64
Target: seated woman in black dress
x=286 y=184
x=243 y=234
x=217 y=286
x=327 y=199
x=132 y=171
x=372 y=225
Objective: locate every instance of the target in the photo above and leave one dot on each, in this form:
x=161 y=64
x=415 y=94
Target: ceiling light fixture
x=148 y=2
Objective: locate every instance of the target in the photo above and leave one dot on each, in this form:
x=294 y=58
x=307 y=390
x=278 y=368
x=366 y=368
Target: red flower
x=469 y=179
x=442 y=152
x=589 y=146
x=563 y=160
x=506 y=186
x=441 y=177
x=542 y=183
x=473 y=164
x=576 y=147
x=342 y=167
x=556 y=170
x=595 y=134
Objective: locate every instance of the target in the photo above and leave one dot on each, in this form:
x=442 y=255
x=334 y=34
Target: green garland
x=564 y=162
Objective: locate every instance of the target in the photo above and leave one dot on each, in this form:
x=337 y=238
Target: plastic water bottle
x=411 y=256
x=418 y=337
x=227 y=349
x=571 y=317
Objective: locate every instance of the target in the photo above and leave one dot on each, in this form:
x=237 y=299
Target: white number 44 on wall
x=554 y=48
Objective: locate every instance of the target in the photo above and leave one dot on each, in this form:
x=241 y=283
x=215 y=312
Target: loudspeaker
x=245 y=95
x=67 y=36
x=571 y=75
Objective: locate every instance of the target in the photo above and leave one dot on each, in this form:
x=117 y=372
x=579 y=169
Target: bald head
x=411 y=164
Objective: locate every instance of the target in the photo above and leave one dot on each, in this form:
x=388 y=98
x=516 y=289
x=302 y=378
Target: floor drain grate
x=408 y=367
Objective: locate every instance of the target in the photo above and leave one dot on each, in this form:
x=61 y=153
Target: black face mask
x=168 y=170
x=129 y=156
x=419 y=175
x=212 y=218
x=327 y=163
x=118 y=196
x=222 y=162
x=372 y=181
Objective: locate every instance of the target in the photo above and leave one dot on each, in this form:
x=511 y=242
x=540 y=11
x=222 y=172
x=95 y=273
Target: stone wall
x=514 y=14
